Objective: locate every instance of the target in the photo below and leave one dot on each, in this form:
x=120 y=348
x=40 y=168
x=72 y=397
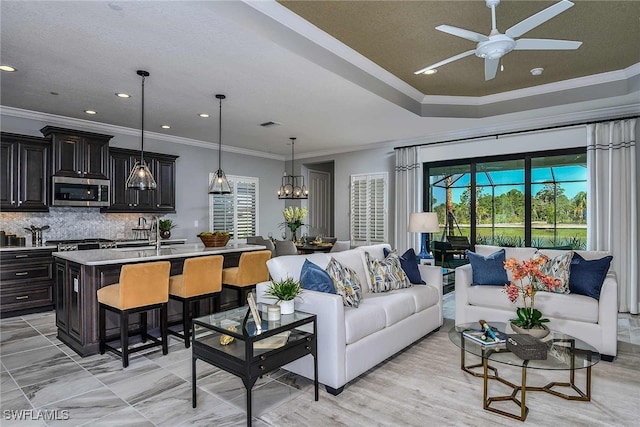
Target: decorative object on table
x=219 y=183
x=140 y=177
x=165 y=226
x=228 y=339
x=274 y=341
x=292 y=186
x=284 y=292
x=293 y=219
x=273 y=312
x=527 y=347
x=489 y=331
x=215 y=239
x=481 y=337
x=423 y=222
x=253 y=307
x=529 y=278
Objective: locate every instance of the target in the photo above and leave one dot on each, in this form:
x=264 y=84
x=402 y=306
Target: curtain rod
x=515 y=132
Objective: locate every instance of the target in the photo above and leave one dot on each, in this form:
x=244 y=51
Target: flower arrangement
x=528 y=316
x=293 y=218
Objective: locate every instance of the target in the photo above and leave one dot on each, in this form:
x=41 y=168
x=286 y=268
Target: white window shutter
x=368 y=209
x=236 y=213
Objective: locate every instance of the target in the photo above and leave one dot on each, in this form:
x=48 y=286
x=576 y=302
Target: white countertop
x=129 y=255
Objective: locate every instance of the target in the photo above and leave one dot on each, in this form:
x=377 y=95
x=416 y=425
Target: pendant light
x=219 y=184
x=292 y=186
x=140 y=177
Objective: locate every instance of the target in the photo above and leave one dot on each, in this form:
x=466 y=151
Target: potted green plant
x=165 y=226
x=284 y=292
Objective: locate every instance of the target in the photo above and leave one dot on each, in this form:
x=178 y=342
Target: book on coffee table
x=481 y=337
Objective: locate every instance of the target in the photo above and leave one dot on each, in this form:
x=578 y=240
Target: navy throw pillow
x=587 y=276
x=488 y=270
x=314 y=278
x=409 y=264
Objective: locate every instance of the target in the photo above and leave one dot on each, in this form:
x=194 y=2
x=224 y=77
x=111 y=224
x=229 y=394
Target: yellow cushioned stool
x=142 y=287
x=201 y=278
x=251 y=270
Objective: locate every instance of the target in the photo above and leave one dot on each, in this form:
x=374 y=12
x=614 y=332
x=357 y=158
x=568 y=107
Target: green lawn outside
x=575 y=237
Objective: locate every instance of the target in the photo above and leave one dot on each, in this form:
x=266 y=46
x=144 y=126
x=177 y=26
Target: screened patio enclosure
x=527 y=200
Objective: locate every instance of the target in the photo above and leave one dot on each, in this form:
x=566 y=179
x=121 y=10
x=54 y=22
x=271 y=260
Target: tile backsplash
x=73 y=223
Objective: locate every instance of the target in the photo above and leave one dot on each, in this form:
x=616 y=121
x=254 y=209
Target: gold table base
x=523 y=388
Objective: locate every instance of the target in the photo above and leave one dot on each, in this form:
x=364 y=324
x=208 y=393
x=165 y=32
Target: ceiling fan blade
x=465 y=34
x=490 y=68
x=446 y=61
x=546 y=44
x=539 y=18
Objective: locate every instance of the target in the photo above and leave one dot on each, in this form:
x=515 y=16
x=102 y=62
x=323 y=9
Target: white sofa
x=354 y=340
x=592 y=321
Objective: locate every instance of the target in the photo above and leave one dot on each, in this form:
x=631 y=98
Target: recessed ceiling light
x=205 y=115
x=54 y=93
x=165 y=127
x=8 y=68
x=123 y=95
x=431 y=71
x=90 y=112
x=536 y=71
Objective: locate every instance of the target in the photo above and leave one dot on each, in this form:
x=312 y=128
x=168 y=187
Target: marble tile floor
x=40 y=373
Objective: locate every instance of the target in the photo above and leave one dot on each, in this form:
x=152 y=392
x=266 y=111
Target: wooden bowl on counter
x=215 y=240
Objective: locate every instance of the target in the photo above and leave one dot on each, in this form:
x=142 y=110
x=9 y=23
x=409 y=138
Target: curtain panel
x=612 y=203
x=408 y=178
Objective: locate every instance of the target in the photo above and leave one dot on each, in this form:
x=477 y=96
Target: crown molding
x=91 y=126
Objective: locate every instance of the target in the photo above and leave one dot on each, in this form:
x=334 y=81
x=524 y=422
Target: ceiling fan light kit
x=493 y=47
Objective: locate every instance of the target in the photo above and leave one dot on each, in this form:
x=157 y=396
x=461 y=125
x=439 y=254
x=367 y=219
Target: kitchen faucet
x=155 y=222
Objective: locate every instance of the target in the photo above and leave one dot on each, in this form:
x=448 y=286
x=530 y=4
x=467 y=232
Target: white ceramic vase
x=535 y=332
x=287 y=307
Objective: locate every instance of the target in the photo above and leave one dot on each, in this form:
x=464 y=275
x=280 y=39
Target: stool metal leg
x=124 y=338
x=101 y=327
x=143 y=326
x=186 y=313
x=164 y=327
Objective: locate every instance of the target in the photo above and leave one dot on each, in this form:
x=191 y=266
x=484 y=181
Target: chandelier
x=292 y=186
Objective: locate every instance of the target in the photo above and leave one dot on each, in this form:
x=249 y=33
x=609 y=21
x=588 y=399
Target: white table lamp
x=423 y=222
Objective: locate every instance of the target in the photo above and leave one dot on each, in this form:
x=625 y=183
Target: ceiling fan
x=496 y=44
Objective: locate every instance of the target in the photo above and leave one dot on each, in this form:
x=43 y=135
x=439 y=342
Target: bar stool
x=201 y=278
x=251 y=270
x=142 y=287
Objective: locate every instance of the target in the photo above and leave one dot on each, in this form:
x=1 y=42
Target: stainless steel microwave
x=69 y=191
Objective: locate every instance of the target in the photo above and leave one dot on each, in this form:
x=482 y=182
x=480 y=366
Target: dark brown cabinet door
x=161 y=200
x=78 y=153
x=25 y=173
x=32 y=177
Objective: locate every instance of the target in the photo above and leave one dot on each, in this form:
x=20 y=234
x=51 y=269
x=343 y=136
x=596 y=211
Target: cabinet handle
x=22 y=256
x=307 y=347
x=262 y=357
x=22 y=273
x=13 y=202
x=262 y=367
x=158 y=205
x=309 y=339
x=23 y=297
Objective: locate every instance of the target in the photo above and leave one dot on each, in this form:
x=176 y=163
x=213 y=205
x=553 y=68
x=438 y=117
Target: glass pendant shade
x=140 y=177
x=292 y=186
x=220 y=184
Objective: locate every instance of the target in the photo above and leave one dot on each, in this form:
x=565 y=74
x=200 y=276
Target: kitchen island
x=79 y=275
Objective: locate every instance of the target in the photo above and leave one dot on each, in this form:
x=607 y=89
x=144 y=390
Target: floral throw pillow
x=386 y=275
x=346 y=283
x=558 y=267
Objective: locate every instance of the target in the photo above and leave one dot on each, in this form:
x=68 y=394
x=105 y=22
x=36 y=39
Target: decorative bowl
x=215 y=240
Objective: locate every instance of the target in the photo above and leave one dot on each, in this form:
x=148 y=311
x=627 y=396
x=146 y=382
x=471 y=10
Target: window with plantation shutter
x=368 y=209
x=235 y=213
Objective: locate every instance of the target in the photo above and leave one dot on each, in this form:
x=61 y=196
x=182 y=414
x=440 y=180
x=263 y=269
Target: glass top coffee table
x=563 y=353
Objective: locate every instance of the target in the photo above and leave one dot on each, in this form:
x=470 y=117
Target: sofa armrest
x=432 y=276
x=464 y=278
x=608 y=314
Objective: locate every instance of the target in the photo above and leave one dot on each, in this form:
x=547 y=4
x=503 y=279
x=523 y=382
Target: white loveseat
x=592 y=321
x=354 y=340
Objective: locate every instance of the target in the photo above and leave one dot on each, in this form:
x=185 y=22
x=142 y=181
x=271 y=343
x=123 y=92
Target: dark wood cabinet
x=27 y=281
x=25 y=173
x=163 y=168
x=79 y=154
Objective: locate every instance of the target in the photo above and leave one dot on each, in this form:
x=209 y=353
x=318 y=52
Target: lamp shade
x=423 y=222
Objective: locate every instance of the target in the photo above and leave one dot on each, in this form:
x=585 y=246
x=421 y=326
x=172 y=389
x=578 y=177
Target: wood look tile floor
x=38 y=372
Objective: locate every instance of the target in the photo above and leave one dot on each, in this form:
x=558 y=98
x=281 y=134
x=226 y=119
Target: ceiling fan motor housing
x=496 y=47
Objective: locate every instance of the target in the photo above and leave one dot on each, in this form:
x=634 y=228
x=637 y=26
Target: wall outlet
x=195 y=224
